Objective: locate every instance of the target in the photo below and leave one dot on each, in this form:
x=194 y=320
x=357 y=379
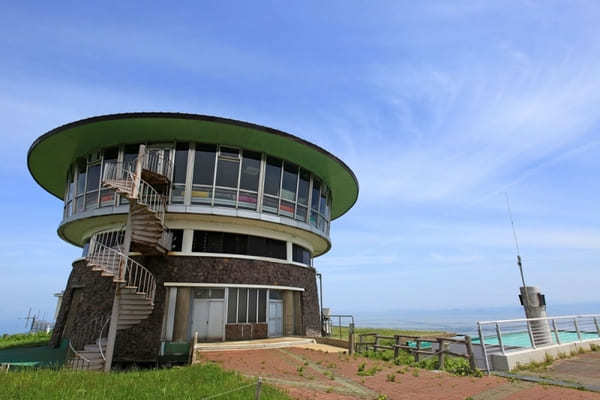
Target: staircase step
x=148 y=236
x=93 y=347
x=148 y=225
x=135 y=307
x=132 y=317
x=91 y=355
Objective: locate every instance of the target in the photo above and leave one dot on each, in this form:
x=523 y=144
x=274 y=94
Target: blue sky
x=439 y=108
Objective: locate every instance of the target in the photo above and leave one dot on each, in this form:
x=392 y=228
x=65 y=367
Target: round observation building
x=190 y=225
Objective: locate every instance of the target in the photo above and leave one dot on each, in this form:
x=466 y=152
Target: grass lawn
x=194 y=382
x=382 y=331
x=24 y=340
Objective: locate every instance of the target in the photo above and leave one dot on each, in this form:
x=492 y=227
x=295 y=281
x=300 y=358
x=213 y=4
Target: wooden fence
x=401 y=342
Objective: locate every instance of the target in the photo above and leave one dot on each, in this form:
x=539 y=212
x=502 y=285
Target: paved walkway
x=582 y=369
x=310 y=374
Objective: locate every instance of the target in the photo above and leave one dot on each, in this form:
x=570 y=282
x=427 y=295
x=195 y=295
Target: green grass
x=453 y=365
x=24 y=340
x=382 y=332
x=193 y=382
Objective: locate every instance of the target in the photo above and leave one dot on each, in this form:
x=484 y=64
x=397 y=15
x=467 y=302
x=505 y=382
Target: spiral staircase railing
x=108 y=252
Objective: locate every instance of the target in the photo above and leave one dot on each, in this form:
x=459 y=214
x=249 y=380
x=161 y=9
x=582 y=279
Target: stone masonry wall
x=142 y=342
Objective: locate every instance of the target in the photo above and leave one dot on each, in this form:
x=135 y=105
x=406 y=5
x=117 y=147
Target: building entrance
x=207 y=319
x=275 y=318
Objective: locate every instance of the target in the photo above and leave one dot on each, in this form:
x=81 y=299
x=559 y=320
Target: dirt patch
x=310 y=374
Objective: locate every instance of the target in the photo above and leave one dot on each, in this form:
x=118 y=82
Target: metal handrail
x=157 y=162
x=501 y=321
x=77 y=353
x=118 y=171
x=123 y=268
x=100 y=338
x=147 y=195
x=541 y=332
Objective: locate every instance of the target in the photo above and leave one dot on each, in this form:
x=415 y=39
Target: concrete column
x=182 y=315
x=288 y=312
x=299 y=330
x=534 y=309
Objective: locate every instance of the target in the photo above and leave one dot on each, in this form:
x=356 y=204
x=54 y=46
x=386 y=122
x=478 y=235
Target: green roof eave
x=50 y=156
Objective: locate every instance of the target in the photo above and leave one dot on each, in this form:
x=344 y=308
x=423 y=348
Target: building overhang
x=51 y=155
x=77 y=230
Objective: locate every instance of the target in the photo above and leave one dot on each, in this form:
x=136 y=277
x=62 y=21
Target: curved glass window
x=221 y=176
x=179 y=173
x=70 y=193
x=272 y=185
x=204 y=174
x=249 y=180
x=228 y=172
x=177 y=242
x=289 y=187
x=130 y=154
x=300 y=254
x=235 y=243
x=107 y=195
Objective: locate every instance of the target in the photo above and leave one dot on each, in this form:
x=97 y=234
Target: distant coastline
x=459 y=320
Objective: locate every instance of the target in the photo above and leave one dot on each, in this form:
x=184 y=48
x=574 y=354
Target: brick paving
x=311 y=374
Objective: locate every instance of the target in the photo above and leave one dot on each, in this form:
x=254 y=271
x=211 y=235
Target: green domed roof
x=50 y=156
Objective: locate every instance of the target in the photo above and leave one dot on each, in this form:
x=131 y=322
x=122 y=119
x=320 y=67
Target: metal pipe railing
x=158 y=162
x=123 y=268
x=503 y=336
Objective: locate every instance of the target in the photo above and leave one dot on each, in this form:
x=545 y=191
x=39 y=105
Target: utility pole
x=519 y=263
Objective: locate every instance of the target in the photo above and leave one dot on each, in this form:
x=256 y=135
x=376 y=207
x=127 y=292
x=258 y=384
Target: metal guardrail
x=123 y=268
x=156 y=202
x=503 y=336
x=157 y=162
x=121 y=176
x=328 y=320
x=94 y=332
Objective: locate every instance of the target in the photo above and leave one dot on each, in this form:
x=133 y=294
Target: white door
x=207 y=319
x=200 y=318
x=215 y=319
x=275 y=318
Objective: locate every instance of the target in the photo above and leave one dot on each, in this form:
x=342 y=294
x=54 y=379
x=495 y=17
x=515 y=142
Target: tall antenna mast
x=519 y=263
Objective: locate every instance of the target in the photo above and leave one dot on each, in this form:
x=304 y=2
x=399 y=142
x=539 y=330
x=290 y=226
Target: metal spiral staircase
x=108 y=252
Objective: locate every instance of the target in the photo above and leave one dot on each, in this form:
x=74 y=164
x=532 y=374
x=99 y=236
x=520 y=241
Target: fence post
x=442 y=348
x=499 y=334
x=555 y=331
x=396 y=344
x=351 y=338
x=482 y=343
x=469 y=347
x=597 y=327
x=376 y=345
x=193 y=349
x=360 y=343
x=577 y=328
x=258 y=385
x=417 y=354
x=530 y=334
